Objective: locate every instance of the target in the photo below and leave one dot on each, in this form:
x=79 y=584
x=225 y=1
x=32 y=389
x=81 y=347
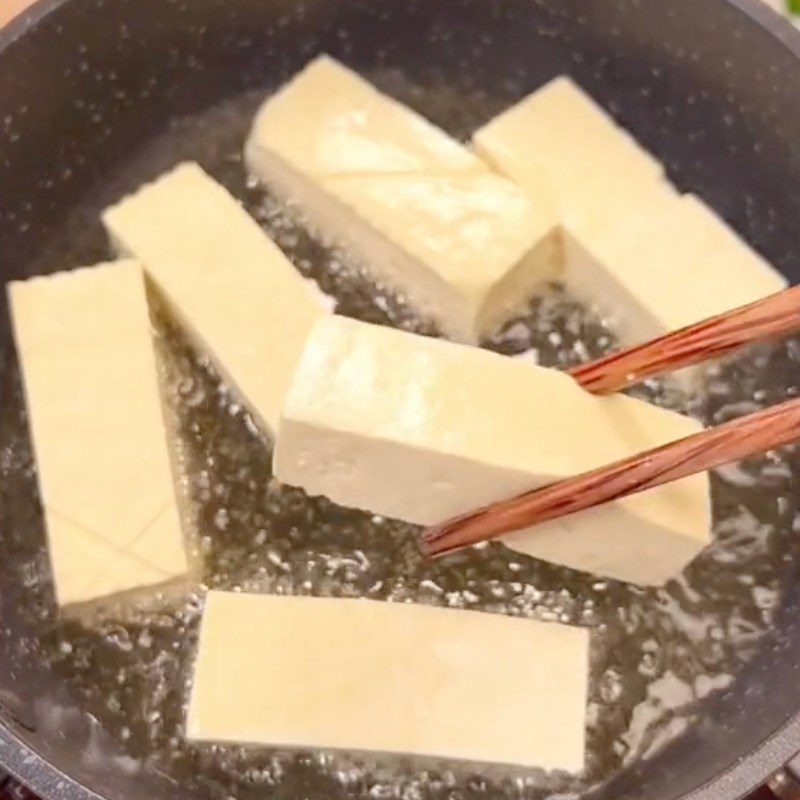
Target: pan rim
x=746 y=774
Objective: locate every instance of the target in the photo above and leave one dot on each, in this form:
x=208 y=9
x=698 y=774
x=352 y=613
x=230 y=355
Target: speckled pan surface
x=697 y=686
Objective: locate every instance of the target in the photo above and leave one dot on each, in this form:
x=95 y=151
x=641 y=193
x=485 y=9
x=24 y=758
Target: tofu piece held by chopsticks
x=424 y=214
x=226 y=281
x=95 y=416
x=423 y=430
x=393 y=677
x=652 y=260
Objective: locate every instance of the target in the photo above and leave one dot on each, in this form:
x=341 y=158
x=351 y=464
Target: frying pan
x=99 y=95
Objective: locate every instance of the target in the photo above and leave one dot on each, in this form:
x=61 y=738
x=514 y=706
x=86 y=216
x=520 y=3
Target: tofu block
x=224 y=279
x=422 y=430
x=650 y=259
x=561 y=132
x=463 y=243
x=330 y=122
x=95 y=416
x=393 y=677
x=692 y=266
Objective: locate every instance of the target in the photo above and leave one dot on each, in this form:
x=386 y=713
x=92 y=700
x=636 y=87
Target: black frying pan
x=98 y=95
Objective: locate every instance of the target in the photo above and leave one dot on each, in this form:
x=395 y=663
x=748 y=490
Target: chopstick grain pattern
x=776 y=315
x=731 y=441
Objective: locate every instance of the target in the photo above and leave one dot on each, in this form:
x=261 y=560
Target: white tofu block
x=225 y=280
x=328 y=121
x=95 y=416
x=649 y=259
x=561 y=132
x=692 y=266
x=392 y=677
x=423 y=213
x=423 y=430
x=608 y=190
x=599 y=224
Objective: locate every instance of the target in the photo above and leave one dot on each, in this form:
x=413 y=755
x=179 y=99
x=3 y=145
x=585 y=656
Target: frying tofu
x=561 y=130
x=95 y=416
x=693 y=241
x=652 y=260
x=394 y=677
x=422 y=430
x=463 y=243
x=235 y=292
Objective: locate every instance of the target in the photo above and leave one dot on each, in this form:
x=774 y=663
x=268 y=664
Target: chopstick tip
x=428 y=540
x=446 y=537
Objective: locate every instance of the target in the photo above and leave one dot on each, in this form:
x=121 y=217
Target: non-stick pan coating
x=97 y=96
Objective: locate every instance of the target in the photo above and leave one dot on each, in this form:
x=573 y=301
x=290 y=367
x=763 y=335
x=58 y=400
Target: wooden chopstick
x=731 y=441
x=776 y=315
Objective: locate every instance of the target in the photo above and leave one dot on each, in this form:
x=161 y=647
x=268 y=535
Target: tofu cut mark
x=94 y=410
x=225 y=280
x=649 y=258
x=393 y=677
x=418 y=208
x=422 y=430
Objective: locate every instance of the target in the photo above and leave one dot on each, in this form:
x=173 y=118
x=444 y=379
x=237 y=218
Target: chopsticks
x=728 y=442
x=754 y=433
x=776 y=315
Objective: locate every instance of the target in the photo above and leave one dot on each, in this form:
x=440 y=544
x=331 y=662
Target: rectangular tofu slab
x=561 y=131
x=95 y=416
x=236 y=293
x=422 y=429
x=392 y=677
x=692 y=266
x=463 y=243
x=650 y=259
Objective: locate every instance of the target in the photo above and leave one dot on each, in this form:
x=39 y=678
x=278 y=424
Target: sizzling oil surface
x=655 y=652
